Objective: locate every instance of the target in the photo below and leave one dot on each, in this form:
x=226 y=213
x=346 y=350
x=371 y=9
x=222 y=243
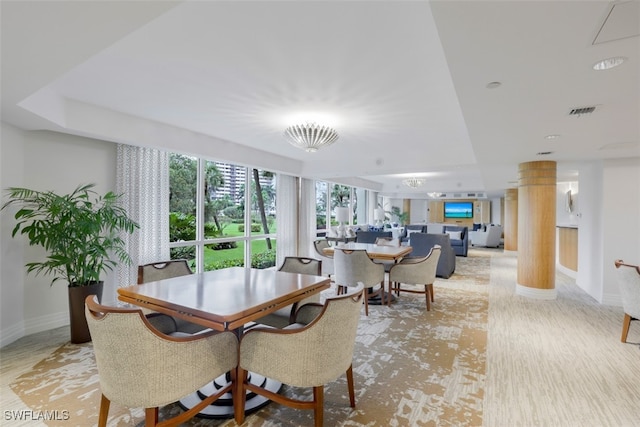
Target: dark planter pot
x=78 y=322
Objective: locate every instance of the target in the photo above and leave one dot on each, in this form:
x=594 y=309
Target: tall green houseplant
x=81 y=233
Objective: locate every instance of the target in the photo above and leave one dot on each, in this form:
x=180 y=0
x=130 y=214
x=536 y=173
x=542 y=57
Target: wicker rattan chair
x=353 y=267
x=327 y=261
x=139 y=367
x=301 y=265
x=310 y=355
x=166 y=270
x=416 y=271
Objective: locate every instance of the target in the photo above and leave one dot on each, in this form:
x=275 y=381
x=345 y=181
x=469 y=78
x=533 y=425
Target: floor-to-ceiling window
x=330 y=196
x=214 y=221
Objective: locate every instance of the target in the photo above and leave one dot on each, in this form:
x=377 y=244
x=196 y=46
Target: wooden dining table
x=225 y=300
x=376 y=252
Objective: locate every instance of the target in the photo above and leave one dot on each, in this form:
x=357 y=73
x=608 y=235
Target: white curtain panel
x=372 y=204
x=143 y=181
x=286 y=217
x=307 y=218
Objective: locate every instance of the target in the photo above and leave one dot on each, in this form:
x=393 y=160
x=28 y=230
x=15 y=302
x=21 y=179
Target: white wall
x=608 y=218
x=44 y=160
x=11 y=252
x=588 y=213
x=419 y=211
x=620 y=221
x=496 y=214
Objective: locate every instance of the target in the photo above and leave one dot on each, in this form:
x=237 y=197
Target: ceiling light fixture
x=413 y=182
x=311 y=136
x=609 y=63
x=493 y=85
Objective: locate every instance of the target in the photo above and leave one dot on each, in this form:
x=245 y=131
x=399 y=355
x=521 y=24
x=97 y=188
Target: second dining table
x=225 y=299
x=375 y=252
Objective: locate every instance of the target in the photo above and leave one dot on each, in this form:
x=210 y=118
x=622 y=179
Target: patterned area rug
x=411 y=367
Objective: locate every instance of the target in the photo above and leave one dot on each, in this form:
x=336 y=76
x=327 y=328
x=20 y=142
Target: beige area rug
x=411 y=368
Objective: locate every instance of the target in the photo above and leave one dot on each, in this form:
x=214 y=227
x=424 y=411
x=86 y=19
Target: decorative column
x=511 y=219
x=537 y=230
x=406 y=207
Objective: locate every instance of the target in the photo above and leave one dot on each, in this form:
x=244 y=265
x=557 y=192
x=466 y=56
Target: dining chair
x=139 y=367
x=309 y=355
x=387 y=241
x=327 y=261
x=416 y=271
x=300 y=265
x=353 y=267
x=166 y=270
x=629 y=282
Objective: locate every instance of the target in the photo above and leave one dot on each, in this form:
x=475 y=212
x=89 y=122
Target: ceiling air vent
x=582 y=110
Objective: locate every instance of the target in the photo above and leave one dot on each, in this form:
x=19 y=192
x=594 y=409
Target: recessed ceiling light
x=552 y=137
x=609 y=63
x=493 y=85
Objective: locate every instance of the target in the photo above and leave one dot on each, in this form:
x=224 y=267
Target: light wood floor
x=549 y=363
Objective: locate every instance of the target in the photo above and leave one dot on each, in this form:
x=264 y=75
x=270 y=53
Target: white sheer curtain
x=296 y=217
x=307 y=218
x=286 y=217
x=143 y=181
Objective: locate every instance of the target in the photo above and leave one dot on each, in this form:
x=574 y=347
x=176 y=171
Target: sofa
x=489 y=238
x=371 y=236
x=421 y=244
x=459 y=236
x=412 y=228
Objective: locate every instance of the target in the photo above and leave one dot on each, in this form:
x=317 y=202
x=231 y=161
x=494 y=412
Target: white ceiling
x=403 y=82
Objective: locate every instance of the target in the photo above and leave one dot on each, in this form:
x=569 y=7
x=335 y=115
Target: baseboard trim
x=33 y=326
x=45 y=323
x=535 y=293
x=567 y=271
x=11 y=334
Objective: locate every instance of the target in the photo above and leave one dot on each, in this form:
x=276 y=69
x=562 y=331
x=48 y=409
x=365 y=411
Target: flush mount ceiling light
x=609 y=63
x=310 y=136
x=413 y=182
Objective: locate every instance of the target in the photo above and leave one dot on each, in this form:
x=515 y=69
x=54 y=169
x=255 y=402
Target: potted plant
x=81 y=233
x=403 y=217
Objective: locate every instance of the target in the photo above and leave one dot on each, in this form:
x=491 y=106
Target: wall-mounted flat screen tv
x=458 y=209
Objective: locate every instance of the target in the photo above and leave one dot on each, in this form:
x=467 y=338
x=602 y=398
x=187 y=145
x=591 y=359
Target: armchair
x=284 y=317
x=327 y=261
x=416 y=271
x=303 y=355
x=139 y=367
x=413 y=228
x=371 y=236
x=354 y=267
x=489 y=238
x=459 y=237
x=166 y=270
x=422 y=244
x=629 y=282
